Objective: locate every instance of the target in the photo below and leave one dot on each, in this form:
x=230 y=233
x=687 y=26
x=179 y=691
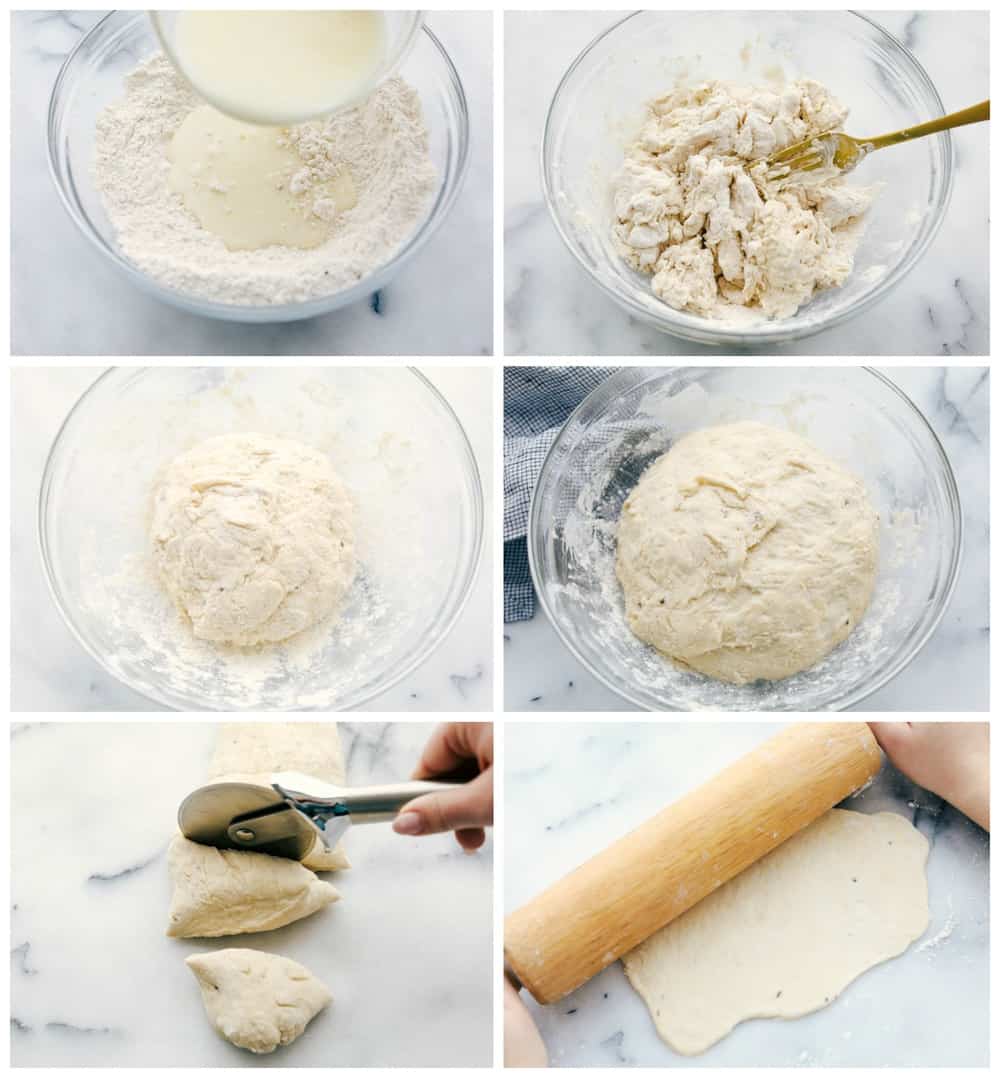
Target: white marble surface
x=951 y=673
x=553 y=308
x=572 y=789
x=67 y=300
x=51 y=672
x=406 y=953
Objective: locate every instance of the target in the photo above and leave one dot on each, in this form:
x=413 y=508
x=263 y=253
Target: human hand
x=468 y=808
x=950 y=758
x=522 y=1043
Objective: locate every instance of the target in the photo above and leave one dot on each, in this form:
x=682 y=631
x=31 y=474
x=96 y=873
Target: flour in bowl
x=692 y=208
x=382 y=145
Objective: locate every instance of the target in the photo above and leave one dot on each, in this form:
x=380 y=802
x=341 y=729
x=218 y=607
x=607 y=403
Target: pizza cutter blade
x=288 y=817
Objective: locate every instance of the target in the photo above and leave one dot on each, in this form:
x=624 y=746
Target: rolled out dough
x=255 y=1000
x=786 y=936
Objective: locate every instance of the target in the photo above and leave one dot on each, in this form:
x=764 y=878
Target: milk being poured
x=280 y=67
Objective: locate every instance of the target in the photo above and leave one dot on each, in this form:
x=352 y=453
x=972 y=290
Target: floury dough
x=255 y=1000
x=693 y=210
x=788 y=935
x=744 y=553
x=232 y=892
x=382 y=144
x=253 y=538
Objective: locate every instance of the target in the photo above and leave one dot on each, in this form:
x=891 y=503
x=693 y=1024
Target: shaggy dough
x=253 y=537
x=693 y=210
x=745 y=553
x=229 y=892
x=788 y=935
x=255 y=1000
x=253 y=751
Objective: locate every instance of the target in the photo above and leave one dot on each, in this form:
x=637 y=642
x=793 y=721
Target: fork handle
x=973 y=115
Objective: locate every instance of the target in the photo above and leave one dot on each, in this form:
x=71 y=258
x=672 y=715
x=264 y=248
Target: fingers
x=454 y=743
x=469 y=806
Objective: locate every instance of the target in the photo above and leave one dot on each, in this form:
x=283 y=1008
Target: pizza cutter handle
x=365 y=804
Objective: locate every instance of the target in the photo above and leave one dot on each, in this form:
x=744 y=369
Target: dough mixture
x=788 y=935
x=353 y=189
x=253 y=538
x=694 y=211
x=257 y=1001
x=744 y=553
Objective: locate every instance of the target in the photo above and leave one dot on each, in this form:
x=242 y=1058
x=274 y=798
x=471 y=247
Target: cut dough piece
x=745 y=553
x=253 y=751
x=228 y=892
x=257 y=1001
x=786 y=936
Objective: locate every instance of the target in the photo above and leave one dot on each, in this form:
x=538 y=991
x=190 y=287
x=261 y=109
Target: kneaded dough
x=253 y=751
x=744 y=553
x=229 y=892
x=253 y=538
x=255 y=1000
x=788 y=935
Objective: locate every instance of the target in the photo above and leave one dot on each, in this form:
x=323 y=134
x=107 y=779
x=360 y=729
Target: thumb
x=467 y=806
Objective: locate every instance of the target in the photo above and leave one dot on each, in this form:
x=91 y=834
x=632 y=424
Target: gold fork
x=844 y=153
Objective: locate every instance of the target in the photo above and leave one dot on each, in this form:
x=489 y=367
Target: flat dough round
x=789 y=934
x=744 y=553
x=253 y=538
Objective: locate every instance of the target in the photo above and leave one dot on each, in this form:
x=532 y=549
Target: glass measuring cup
x=399 y=29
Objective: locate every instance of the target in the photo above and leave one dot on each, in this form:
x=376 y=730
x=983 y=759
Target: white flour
x=383 y=143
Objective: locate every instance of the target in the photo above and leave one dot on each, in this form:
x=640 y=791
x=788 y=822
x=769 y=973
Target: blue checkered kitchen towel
x=537 y=401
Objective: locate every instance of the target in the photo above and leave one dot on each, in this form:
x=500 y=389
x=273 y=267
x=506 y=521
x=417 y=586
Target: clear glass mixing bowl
x=393 y=439
x=855 y=415
x=401 y=30
x=598 y=109
x=92 y=78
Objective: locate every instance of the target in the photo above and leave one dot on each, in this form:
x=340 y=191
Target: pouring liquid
x=280 y=67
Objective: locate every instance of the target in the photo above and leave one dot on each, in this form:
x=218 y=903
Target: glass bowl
x=92 y=78
x=393 y=439
x=855 y=415
x=401 y=29
x=598 y=109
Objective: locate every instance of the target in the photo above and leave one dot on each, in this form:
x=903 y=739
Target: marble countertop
x=406 y=953
x=571 y=790
x=951 y=673
x=51 y=672
x=553 y=308
x=68 y=300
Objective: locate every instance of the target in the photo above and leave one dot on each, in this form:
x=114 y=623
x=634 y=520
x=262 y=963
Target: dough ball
x=253 y=538
x=744 y=553
x=257 y=1001
x=231 y=892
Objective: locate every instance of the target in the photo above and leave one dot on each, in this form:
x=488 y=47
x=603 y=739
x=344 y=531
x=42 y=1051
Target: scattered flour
x=694 y=211
x=383 y=143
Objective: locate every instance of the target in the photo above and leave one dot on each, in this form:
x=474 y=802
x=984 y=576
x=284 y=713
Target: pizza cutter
x=288 y=817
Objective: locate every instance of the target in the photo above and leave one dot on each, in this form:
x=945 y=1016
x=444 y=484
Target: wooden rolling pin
x=619 y=898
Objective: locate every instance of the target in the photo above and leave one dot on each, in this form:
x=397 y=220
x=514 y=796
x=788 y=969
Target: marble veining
x=407 y=951
x=553 y=308
x=571 y=790
x=951 y=673
x=66 y=299
x=51 y=672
